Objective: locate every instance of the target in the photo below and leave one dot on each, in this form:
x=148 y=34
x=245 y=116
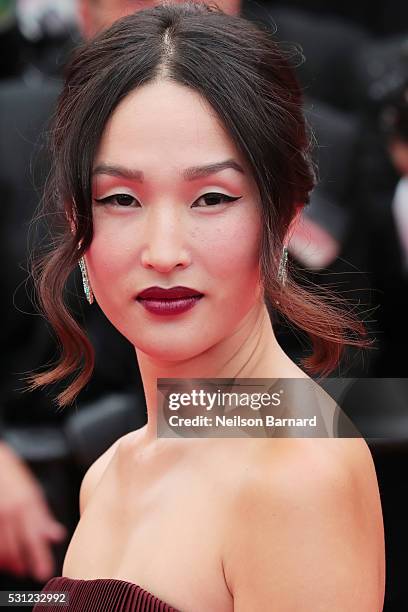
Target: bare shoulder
x=305 y=530
x=95 y=471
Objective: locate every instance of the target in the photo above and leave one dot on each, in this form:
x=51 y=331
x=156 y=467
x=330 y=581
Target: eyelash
x=110 y=199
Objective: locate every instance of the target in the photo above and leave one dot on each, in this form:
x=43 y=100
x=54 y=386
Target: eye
x=212 y=199
x=118 y=199
x=126 y=200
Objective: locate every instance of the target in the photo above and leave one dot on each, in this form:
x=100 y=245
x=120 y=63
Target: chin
x=181 y=344
x=165 y=349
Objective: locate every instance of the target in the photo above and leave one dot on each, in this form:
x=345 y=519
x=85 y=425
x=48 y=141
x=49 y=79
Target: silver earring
x=282 y=271
x=85 y=280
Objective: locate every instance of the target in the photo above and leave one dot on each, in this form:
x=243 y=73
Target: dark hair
x=247 y=78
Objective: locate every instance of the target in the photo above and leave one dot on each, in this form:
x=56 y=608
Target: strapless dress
x=101 y=595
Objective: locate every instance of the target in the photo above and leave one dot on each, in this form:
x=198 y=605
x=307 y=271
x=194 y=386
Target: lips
x=159 y=293
x=172 y=301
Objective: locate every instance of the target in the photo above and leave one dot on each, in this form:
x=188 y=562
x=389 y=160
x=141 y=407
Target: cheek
x=232 y=265
x=233 y=249
x=109 y=254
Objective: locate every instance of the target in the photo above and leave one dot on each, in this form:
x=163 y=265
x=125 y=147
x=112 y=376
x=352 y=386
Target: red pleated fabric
x=101 y=595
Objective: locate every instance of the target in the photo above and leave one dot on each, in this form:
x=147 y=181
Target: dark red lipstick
x=174 y=300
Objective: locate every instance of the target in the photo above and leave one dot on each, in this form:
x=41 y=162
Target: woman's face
x=166 y=215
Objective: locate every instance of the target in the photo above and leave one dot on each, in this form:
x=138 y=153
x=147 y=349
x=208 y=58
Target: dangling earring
x=85 y=280
x=282 y=271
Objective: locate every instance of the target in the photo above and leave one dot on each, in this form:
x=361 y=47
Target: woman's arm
x=307 y=531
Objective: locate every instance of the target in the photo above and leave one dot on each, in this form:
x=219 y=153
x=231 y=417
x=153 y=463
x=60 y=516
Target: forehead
x=165 y=123
x=124 y=7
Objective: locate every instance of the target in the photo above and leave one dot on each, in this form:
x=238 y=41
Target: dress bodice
x=101 y=595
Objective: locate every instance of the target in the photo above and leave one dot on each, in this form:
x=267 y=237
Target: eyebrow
x=189 y=174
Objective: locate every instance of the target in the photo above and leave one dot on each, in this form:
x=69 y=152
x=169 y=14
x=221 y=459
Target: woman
x=181 y=159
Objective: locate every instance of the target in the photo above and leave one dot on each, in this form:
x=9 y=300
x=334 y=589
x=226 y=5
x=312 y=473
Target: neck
x=252 y=351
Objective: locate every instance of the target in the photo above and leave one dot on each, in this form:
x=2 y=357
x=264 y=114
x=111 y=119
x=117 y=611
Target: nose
x=165 y=240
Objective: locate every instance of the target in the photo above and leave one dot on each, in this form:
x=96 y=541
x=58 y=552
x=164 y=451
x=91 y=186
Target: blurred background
x=352 y=62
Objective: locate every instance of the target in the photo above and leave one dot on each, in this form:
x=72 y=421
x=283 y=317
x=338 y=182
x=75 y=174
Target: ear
x=84 y=18
x=294 y=222
x=70 y=217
